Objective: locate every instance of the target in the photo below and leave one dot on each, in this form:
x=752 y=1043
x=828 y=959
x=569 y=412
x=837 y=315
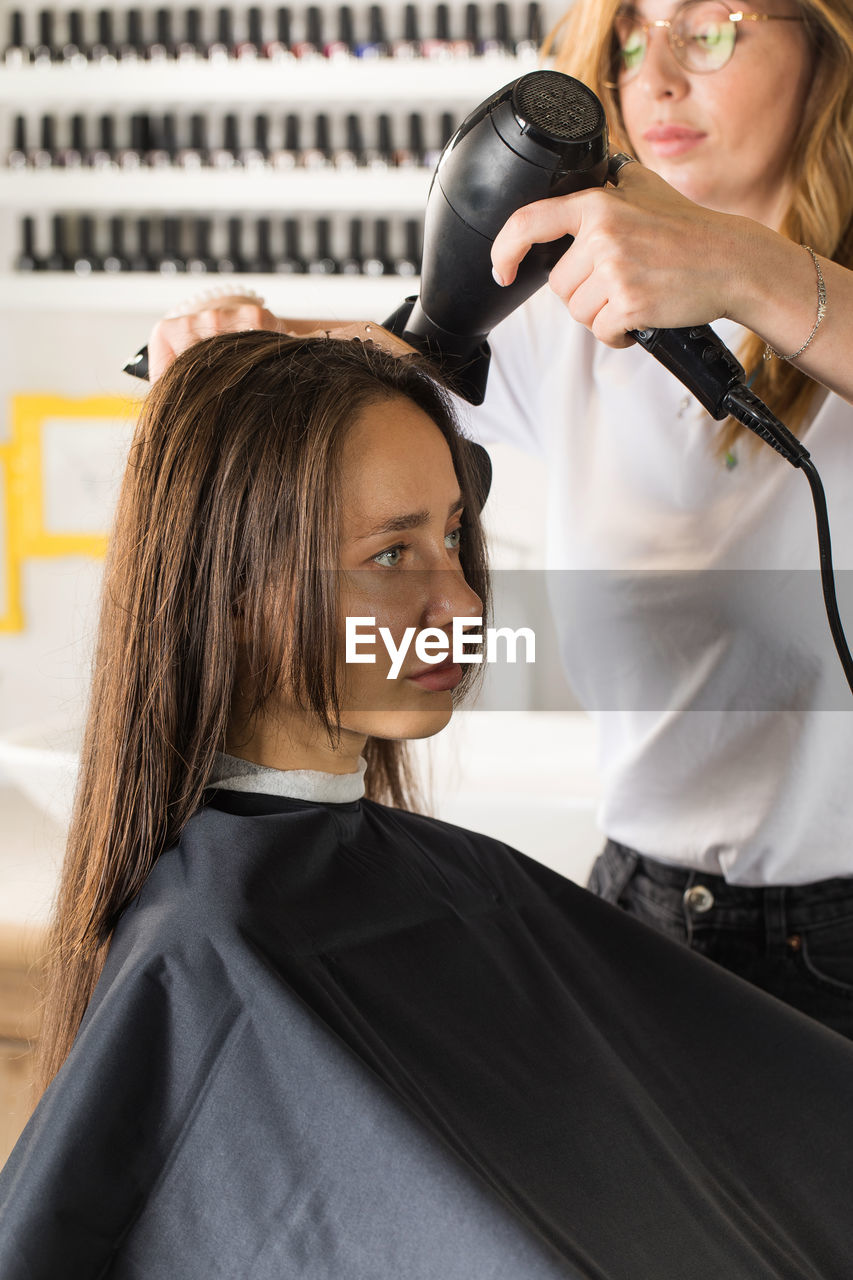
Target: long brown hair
x=820 y=212
x=227 y=515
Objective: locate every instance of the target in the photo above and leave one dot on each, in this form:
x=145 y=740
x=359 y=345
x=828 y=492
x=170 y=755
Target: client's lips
x=672 y=139
x=444 y=675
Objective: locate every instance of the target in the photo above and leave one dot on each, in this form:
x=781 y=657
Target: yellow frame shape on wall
x=21 y=463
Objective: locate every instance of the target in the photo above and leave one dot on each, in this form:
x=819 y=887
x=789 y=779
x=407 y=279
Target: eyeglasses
x=702 y=35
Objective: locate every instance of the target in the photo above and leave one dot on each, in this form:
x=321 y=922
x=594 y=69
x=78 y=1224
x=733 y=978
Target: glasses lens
x=704 y=35
x=630 y=46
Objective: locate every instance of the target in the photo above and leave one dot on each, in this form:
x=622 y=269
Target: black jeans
x=795 y=941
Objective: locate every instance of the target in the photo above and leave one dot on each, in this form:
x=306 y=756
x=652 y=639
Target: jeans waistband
x=827 y=899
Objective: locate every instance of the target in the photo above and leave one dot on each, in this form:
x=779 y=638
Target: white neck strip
x=230 y=773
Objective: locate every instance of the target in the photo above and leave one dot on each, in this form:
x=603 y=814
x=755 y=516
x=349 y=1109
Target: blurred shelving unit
x=51 y=74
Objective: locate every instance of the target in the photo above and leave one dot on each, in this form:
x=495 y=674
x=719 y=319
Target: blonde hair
x=820 y=212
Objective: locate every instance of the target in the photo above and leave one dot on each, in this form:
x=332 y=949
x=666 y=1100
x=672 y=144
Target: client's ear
x=481 y=465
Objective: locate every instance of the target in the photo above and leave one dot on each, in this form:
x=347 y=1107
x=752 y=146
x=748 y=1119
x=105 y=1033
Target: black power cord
x=744 y=405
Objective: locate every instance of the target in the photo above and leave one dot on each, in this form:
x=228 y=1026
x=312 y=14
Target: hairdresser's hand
x=234 y=313
x=644 y=256
x=230 y=313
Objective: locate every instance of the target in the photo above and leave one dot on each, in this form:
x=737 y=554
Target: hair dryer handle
x=700 y=359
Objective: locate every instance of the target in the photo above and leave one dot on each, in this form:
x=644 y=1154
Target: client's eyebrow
x=409 y=520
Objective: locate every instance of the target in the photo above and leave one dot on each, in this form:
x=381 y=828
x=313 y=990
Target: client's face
x=401 y=529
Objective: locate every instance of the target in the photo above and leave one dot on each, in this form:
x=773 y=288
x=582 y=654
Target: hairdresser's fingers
x=234 y=319
x=229 y=314
x=365 y=331
x=587 y=289
x=591 y=306
x=536 y=223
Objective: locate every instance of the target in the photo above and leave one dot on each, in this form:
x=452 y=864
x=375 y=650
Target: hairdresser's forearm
x=777 y=298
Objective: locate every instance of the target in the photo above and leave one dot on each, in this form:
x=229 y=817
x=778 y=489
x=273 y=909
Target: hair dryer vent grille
x=558 y=105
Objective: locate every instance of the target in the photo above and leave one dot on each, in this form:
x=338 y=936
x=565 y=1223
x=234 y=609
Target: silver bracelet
x=821 y=312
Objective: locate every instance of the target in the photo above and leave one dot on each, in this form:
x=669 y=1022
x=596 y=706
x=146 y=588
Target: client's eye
x=392 y=557
x=453 y=539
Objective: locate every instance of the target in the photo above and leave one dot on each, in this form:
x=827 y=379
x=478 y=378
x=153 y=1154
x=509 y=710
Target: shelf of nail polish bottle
x=308 y=81
x=333 y=297
x=402 y=190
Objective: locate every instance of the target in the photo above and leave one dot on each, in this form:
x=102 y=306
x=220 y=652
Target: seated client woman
x=296 y=1030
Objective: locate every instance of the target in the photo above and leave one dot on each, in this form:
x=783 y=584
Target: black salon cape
x=341 y=1042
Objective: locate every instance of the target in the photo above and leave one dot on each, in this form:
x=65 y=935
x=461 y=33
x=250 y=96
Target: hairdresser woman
x=726 y=730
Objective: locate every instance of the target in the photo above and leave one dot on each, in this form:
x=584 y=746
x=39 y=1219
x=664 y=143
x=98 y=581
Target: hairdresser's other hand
x=234 y=313
x=644 y=256
x=230 y=313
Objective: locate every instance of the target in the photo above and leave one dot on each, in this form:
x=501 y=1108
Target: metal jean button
x=698 y=899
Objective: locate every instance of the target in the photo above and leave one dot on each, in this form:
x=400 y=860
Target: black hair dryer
x=543 y=135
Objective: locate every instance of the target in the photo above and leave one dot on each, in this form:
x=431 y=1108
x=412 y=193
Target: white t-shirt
x=688 y=603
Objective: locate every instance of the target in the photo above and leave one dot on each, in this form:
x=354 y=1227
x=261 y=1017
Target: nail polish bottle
x=291 y=261
x=472 y=32
x=115 y=259
x=351 y=265
x=249 y=50
x=73 y=156
x=103 y=156
x=352 y=155
x=43 y=156
x=172 y=262
x=201 y=261
x=73 y=54
x=195 y=156
x=233 y=263
x=280 y=50
x=45 y=51
x=192 y=48
x=58 y=259
x=28 y=259
x=133 y=48
x=86 y=259
x=444 y=131
x=412 y=155
x=136 y=153
x=287 y=156
x=223 y=46
x=320 y=155
x=255 y=156
x=323 y=263
x=225 y=157
x=501 y=46
x=458 y=48
x=163 y=48
x=16 y=158
x=312 y=45
x=378 y=262
x=344 y=47
x=262 y=260
x=377 y=156
x=530 y=45
x=438 y=47
x=383 y=156
x=143 y=258
x=16 y=53
x=410 y=263
x=103 y=51
x=377 y=45
x=410 y=45
x=164 y=142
